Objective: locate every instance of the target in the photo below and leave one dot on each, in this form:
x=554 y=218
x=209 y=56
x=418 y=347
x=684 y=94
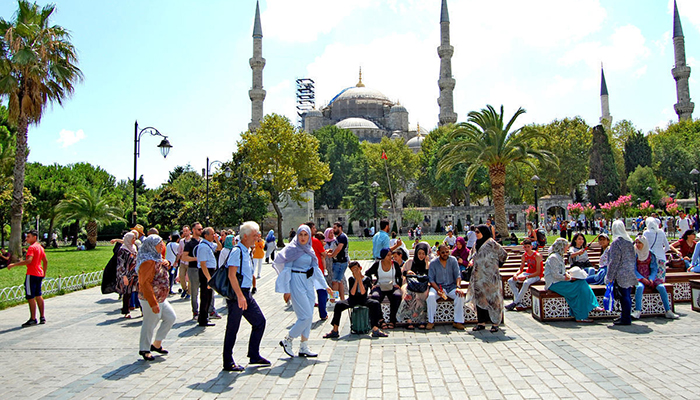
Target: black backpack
x=541 y=237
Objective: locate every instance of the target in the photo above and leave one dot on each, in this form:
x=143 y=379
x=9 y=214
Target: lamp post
x=227 y=173
x=164 y=147
x=375 y=185
x=649 y=190
x=535 y=180
x=591 y=183
x=695 y=173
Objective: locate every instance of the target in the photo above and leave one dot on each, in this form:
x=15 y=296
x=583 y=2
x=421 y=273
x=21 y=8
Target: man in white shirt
x=683 y=223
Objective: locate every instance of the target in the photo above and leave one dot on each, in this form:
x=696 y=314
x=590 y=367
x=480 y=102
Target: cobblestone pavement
x=87 y=351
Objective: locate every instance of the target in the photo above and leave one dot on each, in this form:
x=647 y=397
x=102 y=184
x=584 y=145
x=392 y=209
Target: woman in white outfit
x=658 y=244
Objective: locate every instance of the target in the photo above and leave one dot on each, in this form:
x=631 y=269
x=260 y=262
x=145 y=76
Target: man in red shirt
x=36 y=271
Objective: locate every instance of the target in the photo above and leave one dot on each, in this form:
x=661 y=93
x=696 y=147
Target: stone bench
x=681 y=285
x=695 y=294
x=550 y=306
x=443 y=315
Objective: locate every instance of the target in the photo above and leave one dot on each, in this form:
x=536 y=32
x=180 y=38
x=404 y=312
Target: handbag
x=609 y=298
x=417 y=283
x=220 y=283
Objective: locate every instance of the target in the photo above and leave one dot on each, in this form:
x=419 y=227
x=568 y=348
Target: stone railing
x=54 y=286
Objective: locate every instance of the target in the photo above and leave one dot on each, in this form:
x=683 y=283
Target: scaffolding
x=306 y=97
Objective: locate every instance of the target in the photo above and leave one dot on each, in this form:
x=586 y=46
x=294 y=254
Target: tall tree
x=166 y=208
x=38 y=66
x=639 y=180
x=339 y=148
x=674 y=155
x=285 y=161
x=602 y=168
x=637 y=152
x=484 y=140
x=445 y=188
x=400 y=162
x=89 y=204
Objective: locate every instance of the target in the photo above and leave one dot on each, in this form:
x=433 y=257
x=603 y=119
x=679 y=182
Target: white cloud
x=561 y=87
x=627 y=49
x=69 y=138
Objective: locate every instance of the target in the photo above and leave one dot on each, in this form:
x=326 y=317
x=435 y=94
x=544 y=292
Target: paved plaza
x=86 y=350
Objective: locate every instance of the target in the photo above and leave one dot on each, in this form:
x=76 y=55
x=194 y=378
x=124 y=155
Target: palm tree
x=484 y=141
x=38 y=66
x=89 y=205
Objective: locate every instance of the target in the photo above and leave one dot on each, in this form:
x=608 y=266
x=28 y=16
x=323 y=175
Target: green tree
x=601 y=167
x=48 y=185
x=285 y=160
x=360 y=197
x=637 y=152
x=339 y=148
x=166 y=209
x=674 y=155
x=38 y=66
x=484 y=140
x=443 y=188
x=238 y=198
x=412 y=216
x=639 y=180
x=89 y=204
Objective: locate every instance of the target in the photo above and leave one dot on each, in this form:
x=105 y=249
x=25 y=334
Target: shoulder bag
x=220 y=283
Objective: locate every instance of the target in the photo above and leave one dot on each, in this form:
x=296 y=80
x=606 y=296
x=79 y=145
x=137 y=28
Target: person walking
x=171 y=250
x=300 y=277
x=258 y=255
x=37 y=265
x=192 y=271
x=154 y=287
x=127 y=279
x=206 y=264
x=270 y=246
x=182 y=265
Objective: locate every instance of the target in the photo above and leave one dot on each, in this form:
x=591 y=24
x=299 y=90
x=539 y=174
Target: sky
x=182 y=67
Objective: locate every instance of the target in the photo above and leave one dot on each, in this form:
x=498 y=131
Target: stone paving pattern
x=86 y=350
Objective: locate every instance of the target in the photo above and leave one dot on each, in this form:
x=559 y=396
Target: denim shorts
x=339 y=271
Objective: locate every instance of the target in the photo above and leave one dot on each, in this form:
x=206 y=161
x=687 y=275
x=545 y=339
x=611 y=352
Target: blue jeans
x=322 y=295
x=625 y=304
x=639 y=293
x=339 y=271
x=596 y=278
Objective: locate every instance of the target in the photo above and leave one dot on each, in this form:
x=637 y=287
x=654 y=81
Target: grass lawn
x=64 y=261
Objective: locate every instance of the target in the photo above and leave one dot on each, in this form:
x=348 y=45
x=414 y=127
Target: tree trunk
x=497 y=174
x=17 y=207
x=280 y=234
x=467 y=196
x=74 y=230
x=91 y=229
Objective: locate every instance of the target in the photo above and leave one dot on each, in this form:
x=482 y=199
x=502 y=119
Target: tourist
x=258 y=255
x=154 y=288
x=531 y=234
x=357 y=296
x=386 y=282
x=399 y=256
x=171 y=250
x=444 y=279
x=394 y=239
x=685 y=247
x=598 y=277
x=658 y=244
x=381 y=240
x=419 y=232
x=329 y=244
x=413 y=308
x=570 y=228
x=646 y=272
x=485 y=287
x=471 y=237
x=450 y=239
x=461 y=253
x=415 y=243
x=127 y=279
x=563 y=229
x=684 y=223
x=229 y=242
x=243 y=305
x=577 y=292
x=530 y=272
x=621 y=270
x=37 y=264
x=270 y=246
x=340 y=259
x=317 y=239
x=435 y=248
x=491 y=227
x=292 y=233
x=182 y=265
x=206 y=264
x=188 y=255
x=300 y=276
x=578 y=252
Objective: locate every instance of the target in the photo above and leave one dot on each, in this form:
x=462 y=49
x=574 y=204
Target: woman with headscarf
x=577 y=292
x=300 y=276
x=485 y=286
x=127 y=279
x=226 y=250
x=270 y=246
x=461 y=253
x=621 y=270
x=413 y=308
x=658 y=244
x=646 y=272
x=154 y=287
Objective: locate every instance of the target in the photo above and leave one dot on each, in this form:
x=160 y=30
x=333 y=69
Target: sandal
x=390 y=325
x=478 y=328
x=421 y=326
x=384 y=325
x=493 y=329
x=331 y=335
x=127 y=316
x=410 y=327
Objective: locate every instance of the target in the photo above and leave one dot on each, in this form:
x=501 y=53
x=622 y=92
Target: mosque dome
x=396 y=135
x=356 y=123
x=362 y=93
x=415 y=142
x=398 y=108
x=313 y=113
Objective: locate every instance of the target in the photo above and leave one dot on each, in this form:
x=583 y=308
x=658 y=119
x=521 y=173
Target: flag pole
x=391 y=193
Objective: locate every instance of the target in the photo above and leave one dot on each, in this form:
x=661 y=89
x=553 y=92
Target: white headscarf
x=294 y=250
x=148 y=251
x=652 y=225
x=642 y=254
x=128 y=243
x=618 y=230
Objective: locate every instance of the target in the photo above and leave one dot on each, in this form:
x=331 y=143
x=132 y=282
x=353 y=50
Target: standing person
x=684 y=223
x=188 y=255
x=206 y=264
x=317 y=239
x=471 y=237
x=329 y=244
x=127 y=279
x=37 y=265
x=562 y=229
x=386 y=280
x=154 y=286
x=570 y=227
x=171 y=250
x=381 y=240
x=270 y=246
x=444 y=280
x=182 y=265
x=530 y=272
x=658 y=244
x=244 y=305
x=340 y=259
x=485 y=287
x=300 y=276
x=621 y=267
x=258 y=255
x=646 y=273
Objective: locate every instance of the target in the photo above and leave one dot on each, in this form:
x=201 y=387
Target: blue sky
x=182 y=67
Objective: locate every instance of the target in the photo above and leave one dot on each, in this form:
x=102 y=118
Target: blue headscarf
x=295 y=250
x=148 y=252
x=228 y=243
x=270 y=236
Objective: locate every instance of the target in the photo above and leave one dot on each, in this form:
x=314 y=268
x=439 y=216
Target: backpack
x=359 y=320
x=541 y=237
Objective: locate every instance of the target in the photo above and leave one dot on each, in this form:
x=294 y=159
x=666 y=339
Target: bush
x=438 y=227
x=350 y=232
x=394 y=228
x=459 y=227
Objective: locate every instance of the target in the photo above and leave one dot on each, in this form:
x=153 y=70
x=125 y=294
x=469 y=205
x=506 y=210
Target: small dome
x=313 y=113
x=415 y=142
x=356 y=123
x=398 y=108
x=396 y=135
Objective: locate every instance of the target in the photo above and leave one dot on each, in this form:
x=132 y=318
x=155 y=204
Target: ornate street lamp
x=227 y=173
x=164 y=147
x=375 y=186
x=695 y=174
x=535 y=180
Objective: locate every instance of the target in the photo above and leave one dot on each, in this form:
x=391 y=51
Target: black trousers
x=205 y=296
x=394 y=300
x=375 y=310
x=255 y=318
x=482 y=316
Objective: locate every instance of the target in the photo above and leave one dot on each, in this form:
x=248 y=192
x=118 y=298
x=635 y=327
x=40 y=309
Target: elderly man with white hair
x=240 y=273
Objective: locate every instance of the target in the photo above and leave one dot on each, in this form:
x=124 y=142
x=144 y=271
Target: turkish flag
x=384 y=157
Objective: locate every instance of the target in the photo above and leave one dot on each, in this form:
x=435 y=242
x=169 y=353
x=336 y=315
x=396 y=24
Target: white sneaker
x=670 y=315
x=286 y=344
x=636 y=314
x=304 y=351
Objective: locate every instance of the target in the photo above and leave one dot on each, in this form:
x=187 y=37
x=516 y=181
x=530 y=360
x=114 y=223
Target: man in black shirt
x=192 y=271
x=359 y=287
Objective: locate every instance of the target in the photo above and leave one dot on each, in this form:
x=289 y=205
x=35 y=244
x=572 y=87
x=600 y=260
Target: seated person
x=413 y=307
x=646 y=271
x=598 y=277
x=386 y=280
x=450 y=239
x=434 y=250
x=578 y=254
x=461 y=253
x=530 y=272
x=512 y=240
x=685 y=247
x=4 y=258
x=359 y=287
x=400 y=256
x=444 y=279
x=415 y=243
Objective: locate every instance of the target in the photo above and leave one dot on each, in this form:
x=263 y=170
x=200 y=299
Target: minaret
x=606 y=118
x=257 y=63
x=681 y=72
x=446 y=81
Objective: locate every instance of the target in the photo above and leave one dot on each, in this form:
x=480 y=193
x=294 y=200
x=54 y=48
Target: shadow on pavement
x=107 y=301
x=135 y=368
x=491 y=337
x=221 y=383
x=635 y=329
x=11 y=330
x=193 y=331
x=111 y=321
